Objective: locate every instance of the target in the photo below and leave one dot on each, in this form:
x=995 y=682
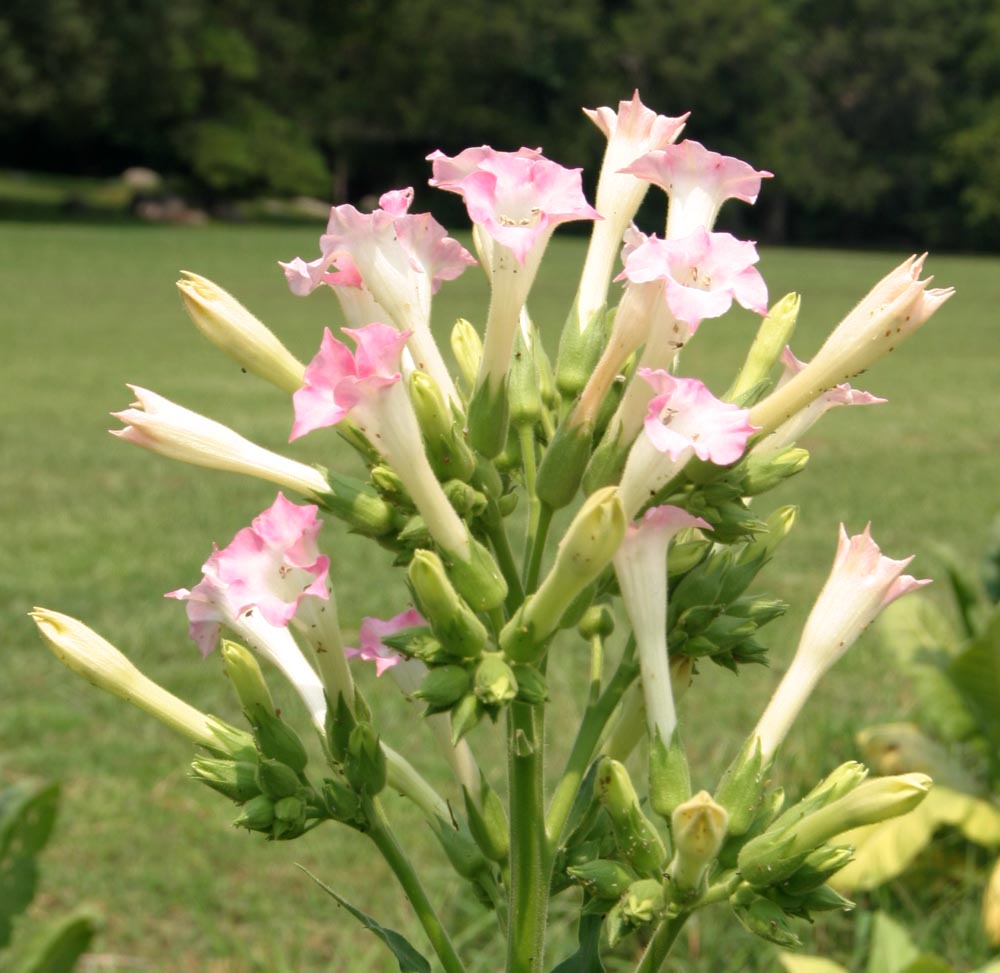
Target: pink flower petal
x=372 y=633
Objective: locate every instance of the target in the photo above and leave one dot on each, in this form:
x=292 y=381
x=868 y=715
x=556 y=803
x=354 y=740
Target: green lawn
x=100 y=530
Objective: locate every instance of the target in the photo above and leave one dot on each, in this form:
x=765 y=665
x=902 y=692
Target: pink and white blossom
x=698 y=181
x=641 y=567
x=373 y=631
x=632 y=131
x=399 y=259
x=861 y=583
x=366 y=385
x=162 y=426
x=794 y=429
x=898 y=304
x=683 y=420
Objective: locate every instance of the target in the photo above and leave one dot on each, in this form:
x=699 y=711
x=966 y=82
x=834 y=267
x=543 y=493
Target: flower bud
x=598 y=621
x=276 y=780
x=669 y=776
x=602 y=878
x=561 y=471
x=358 y=506
x=818 y=866
x=461 y=850
x=364 y=764
x=467 y=501
x=460 y=632
x=489 y=418
x=586 y=549
x=580 y=348
x=388 y=483
x=842 y=780
x=449 y=455
x=342 y=803
x=698 y=827
x=488 y=822
x=766 y=919
x=643 y=902
x=763 y=473
x=257 y=814
x=443 y=686
x=607 y=461
x=740 y=789
x=277 y=739
x=465 y=716
x=494 y=683
x=531 y=685
x=772 y=336
x=338 y=725
x=244 y=673
x=478 y=579
x=635 y=835
x=236 y=779
x=235 y=331
x=523 y=386
x=467 y=347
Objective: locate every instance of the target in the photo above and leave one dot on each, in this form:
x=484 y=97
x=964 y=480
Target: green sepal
x=235 y=779
x=442 y=687
x=531 y=685
x=562 y=467
x=489 y=418
x=465 y=716
x=494 y=682
x=488 y=822
x=478 y=580
x=364 y=763
x=276 y=780
x=256 y=815
x=636 y=837
x=603 y=879
x=606 y=463
x=579 y=351
x=669 y=775
x=742 y=786
x=360 y=507
x=277 y=739
x=523 y=384
x=339 y=723
x=766 y=919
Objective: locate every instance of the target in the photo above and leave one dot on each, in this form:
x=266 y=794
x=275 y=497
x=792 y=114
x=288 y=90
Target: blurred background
x=881 y=119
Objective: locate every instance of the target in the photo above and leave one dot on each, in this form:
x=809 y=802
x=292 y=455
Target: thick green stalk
x=534 y=565
x=526 y=434
x=384 y=839
x=528 y=890
x=587 y=738
x=661 y=943
x=500 y=543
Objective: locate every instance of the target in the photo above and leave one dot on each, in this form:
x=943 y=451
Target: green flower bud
x=452 y=621
x=467 y=347
x=355 y=438
x=244 y=673
x=763 y=473
x=494 y=683
x=447 y=451
x=836 y=784
x=488 y=822
x=523 y=388
x=364 y=764
x=443 y=686
x=461 y=850
x=414 y=533
x=818 y=866
x=579 y=351
x=289 y=809
x=669 y=776
x=486 y=479
x=256 y=815
x=465 y=716
x=561 y=471
x=358 y=506
x=635 y=835
x=478 y=580
x=644 y=901
x=766 y=919
x=607 y=463
x=772 y=336
x=698 y=827
x=824 y=899
x=276 y=780
x=741 y=788
x=489 y=418
x=467 y=501
x=586 y=549
x=236 y=779
x=597 y=621
x=339 y=723
x=531 y=686
x=601 y=878
x=684 y=555
x=342 y=803
x=277 y=739
x=388 y=483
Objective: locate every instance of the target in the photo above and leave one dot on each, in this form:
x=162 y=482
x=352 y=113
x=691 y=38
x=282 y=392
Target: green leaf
x=410 y=961
x=891 y=949
x=793 y=963
x=587 y=959
x=975 y=671
x=61 y=945
x=968 y=598
x=928 y=963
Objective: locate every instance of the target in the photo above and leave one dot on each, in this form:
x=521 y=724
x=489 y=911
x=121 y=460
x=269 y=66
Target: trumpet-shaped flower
x=366 y=386
x=698 y=181
x=632 y=131
x=862 y=582
x=897 y=305
x=162 y=426
x=401 y=258
x=792 y=431
x=683 y=419
x=372 y=647
x=640 y=564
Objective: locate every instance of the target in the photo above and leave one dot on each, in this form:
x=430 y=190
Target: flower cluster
x=664 y=477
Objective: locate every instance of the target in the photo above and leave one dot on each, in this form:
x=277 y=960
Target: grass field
x=100 y=530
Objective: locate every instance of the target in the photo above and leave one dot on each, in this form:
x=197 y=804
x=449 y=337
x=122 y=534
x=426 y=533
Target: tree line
x=881 y=118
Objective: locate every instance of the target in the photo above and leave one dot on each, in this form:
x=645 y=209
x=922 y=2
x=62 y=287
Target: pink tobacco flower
x=641 y=567
x=792 y=430
x=698 y=181
x=683 y=420
x=702 y=274
x=519 y=198
x=631 y=132
x=374 y=631
x=861 y=583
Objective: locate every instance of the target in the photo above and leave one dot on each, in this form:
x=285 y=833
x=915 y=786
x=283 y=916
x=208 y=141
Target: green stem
x=538 y=538
x=497 y=534
x=526 y=433
x=660 y=944
x=381 y=834
x=588 y=736
x=596 y=668
x=528 y=892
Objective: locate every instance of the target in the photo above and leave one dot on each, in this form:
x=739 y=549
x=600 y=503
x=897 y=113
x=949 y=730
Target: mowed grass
x=100 y=530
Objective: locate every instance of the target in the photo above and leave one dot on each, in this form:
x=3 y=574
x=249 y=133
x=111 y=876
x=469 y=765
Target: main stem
x=381 y=833
x=529 y=890
x=661 y=943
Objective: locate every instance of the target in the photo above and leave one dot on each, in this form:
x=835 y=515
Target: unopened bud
x=523 y=385
x=245 y=674
x=741 y=787
x=643 y=902
x=580 y=347
x=467 y=347
x=465 y=716
x=256 y=815
x=766 y=919
x=236 y=779
x=772 y=336
x=818 y=866
x=388 y=483
x=467 y=500
x=602 y=878
x=478 y=579
x=669 y=776
x=276 y=780
x=447 y=451
x=364 y=765
x=463 y=854
x=489 y=417
x=455 y=625
x=597 y=621
x=561 y=471
x=488 y=822
x=341 y=802
x=637 y=839
x=277 y=739
x=765 y=472
x=531 y=685
x=359 y=506
x=494 y=683
x=443 y=686
x=698 y=827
